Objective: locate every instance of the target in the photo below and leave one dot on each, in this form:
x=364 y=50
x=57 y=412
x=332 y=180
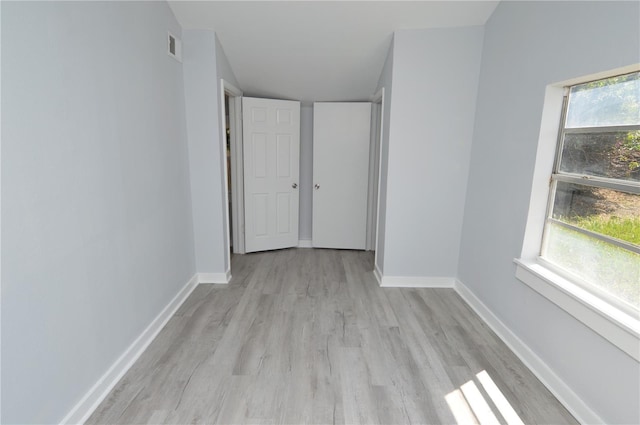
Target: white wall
x=204 y=64
x=96 y=217
x=306 y=173
x=385 y=81
x=435 y=79
x=528 y=46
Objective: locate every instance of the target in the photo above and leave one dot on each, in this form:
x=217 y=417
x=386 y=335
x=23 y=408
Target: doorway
x=231 y=101
x=231 y=140
x=265 y=227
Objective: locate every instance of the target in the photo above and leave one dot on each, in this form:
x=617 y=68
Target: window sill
x=618 y=327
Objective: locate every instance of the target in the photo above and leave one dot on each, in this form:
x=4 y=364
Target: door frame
x=235 y=133
x=375 y=178
x=374 y=154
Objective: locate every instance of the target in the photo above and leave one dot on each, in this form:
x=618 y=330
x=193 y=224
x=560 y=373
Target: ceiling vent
x=174 y=47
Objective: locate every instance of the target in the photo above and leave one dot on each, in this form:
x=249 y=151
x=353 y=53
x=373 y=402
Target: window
x=592 y=227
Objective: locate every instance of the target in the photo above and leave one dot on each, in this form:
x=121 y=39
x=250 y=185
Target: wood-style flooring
x=308 y=336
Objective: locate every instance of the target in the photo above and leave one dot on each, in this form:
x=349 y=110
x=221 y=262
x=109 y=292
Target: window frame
x=593 y=307
x=557 y=175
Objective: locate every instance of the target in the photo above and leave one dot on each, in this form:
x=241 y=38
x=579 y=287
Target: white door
x=340 y=174
x=271 y=152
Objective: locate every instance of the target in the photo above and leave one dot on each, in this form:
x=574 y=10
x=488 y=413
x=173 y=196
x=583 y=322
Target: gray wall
x=386 y=79
x=96 y=217
x=223 y=66
x=204 y=64
x=527 y=47
x=306 y=172
x=435 y=80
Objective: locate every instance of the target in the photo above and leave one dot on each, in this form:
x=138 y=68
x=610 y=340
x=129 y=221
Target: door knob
x=316 y=186
x=295 y=185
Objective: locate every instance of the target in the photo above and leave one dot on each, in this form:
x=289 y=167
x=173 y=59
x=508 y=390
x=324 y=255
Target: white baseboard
x=305 y=243
x=207 y=278
x=416 y=282
x=574 y=404
x=86 y=406
x=378 y=274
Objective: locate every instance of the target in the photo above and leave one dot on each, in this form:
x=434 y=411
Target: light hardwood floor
x=308 y=336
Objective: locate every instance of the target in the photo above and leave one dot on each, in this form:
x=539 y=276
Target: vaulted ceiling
x=317 y=50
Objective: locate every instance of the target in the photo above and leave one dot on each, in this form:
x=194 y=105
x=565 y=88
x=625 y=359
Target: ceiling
x=317 y=50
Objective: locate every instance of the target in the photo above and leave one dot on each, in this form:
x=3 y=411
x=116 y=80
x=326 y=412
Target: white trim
x=225 y=87
x=377 y=274
x=305 y=243
x=569 y=399
x=619 y=328
x=92 y=399
x=1 y=229
x=230 y=88
x=374 y=169
x=237 y=177
x=225 y=182
x=219 y=278
x=545 y=154
x=417 y=282
x=379 y=95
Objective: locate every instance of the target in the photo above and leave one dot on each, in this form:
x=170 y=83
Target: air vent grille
x=174 y=47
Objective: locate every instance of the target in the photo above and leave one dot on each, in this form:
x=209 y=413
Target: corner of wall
x=202 y=94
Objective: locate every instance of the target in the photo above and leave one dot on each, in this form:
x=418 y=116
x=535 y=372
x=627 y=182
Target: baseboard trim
x=219 y=278
x=305 y=243
x=416 y=282
x=92 y=399
x=569 y=399
x=378 y=274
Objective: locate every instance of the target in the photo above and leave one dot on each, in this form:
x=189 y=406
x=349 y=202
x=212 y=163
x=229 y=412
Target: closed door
x=341 y=138
x=271 y=155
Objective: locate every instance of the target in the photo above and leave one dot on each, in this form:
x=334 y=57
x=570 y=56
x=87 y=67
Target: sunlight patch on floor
x=470 y=406
x=460 y=408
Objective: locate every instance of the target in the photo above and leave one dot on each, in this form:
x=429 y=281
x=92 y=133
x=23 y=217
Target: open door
x=271 y=152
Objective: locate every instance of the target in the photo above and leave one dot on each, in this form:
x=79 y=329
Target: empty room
x=320 y=212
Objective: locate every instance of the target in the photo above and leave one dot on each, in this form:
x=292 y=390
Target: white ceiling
x=317 y=50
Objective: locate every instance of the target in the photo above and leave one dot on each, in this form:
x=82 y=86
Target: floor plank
x=308 y=336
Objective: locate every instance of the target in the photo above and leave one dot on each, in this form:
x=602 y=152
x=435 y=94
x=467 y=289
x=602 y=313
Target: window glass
x=607 y=267
x=614 y=155
x=604 y=211
x=608 y=102
x=592 y=229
